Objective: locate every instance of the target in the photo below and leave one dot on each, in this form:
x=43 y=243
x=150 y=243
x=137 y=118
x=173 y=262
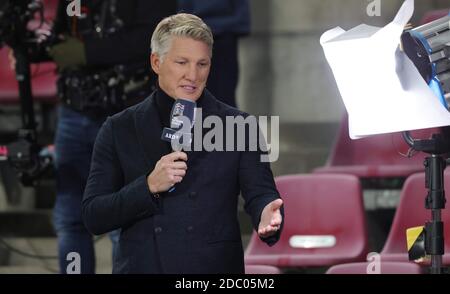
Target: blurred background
x=283 y=72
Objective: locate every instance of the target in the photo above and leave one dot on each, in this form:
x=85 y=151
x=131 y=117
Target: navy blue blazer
x=193 y=229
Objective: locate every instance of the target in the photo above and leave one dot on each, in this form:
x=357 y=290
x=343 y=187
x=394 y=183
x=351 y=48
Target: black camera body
x=98 y=91
x=105 y=92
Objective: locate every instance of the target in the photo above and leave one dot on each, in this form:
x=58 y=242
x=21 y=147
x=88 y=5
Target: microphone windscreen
x=182 y=107
x=182 y=115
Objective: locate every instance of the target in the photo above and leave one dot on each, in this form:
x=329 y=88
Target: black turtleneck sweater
x=164 y=104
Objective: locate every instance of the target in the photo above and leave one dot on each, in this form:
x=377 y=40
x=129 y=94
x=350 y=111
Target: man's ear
x=155 y=62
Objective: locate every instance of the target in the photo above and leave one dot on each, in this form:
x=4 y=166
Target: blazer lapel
x=149 y=129
x=209 y=107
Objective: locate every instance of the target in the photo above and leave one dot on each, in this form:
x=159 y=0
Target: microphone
x=182 y=119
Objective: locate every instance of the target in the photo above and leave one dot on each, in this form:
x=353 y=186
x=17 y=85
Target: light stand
x=435 y=200
x=373 y=51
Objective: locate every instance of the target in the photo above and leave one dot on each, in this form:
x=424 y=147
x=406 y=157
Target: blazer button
x=192 y=195
x=158 y=230
x=190 y=229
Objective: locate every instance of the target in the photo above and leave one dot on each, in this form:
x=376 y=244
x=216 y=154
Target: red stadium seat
x=324 y=223
x=434 y=15
x=43 y=81
x=375 y=156
x=261 y=270
x=389 y=268
x=411 y=212
x=50 y=7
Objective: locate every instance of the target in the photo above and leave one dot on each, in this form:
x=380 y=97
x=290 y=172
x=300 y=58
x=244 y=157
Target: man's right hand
x=169 y=170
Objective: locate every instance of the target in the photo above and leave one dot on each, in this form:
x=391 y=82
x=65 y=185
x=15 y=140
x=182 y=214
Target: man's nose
x=192 y=72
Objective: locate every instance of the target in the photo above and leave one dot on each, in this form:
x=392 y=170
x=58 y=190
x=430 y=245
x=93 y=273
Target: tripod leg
x=435 y=201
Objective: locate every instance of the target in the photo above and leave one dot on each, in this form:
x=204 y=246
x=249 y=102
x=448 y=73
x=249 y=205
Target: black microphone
x=182 y=119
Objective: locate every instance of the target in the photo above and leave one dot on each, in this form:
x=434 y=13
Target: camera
x=24 y=154
x=14 y=16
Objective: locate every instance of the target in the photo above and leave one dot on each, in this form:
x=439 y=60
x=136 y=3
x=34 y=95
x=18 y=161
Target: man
x=194 y=228
x=94 y=42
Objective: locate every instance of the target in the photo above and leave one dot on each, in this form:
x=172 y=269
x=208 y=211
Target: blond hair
x=180 y=25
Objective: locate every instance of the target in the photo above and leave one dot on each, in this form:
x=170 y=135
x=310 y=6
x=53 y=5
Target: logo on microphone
x=171 y=136
x=178 y=109
x=181 y=120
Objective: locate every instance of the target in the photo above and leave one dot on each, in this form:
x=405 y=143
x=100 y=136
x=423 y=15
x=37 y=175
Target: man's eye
x=203 y=64
x=181 y=62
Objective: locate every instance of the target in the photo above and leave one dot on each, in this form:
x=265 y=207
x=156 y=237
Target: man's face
x=185 y=68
